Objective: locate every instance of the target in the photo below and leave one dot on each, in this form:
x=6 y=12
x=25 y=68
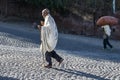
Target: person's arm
x=39 y=27
x=42 y=24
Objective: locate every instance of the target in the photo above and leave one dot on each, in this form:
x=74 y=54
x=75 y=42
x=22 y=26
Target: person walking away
x=106 y=35
x=49 y=38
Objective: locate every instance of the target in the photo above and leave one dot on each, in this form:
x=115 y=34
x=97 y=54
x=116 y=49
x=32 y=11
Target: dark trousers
x=106 y=42
x=50 y=55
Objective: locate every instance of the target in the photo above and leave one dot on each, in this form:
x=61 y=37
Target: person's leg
x=48 y=58
x=56 y=56
x=104 y=43
x=108 y=43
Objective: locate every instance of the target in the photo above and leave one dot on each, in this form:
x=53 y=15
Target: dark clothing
x=106 y=42
x=52 y=54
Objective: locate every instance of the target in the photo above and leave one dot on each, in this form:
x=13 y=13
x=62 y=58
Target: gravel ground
x=84 y=58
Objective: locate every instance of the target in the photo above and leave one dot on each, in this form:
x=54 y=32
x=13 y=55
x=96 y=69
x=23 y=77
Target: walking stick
x=43 y=59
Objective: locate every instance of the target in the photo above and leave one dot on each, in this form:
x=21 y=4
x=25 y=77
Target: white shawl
x=107 y=29
x=49 y=35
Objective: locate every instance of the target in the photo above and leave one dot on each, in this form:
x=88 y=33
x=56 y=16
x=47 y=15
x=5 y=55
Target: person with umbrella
x=49 y=38
x=105 y=22
x=106 y=35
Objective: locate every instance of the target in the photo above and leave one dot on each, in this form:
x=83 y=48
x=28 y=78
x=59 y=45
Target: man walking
x=107 y=33
x=49 y=38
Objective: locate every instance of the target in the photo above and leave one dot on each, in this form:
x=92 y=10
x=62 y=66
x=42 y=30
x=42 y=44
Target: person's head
x=45 y=12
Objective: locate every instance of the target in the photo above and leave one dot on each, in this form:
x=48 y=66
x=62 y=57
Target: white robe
x=49 y=35
x=107 y=29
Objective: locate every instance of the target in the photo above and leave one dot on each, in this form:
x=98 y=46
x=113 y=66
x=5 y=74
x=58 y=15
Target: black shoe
x=48 y=66
x=60 y=61
x=111 y=47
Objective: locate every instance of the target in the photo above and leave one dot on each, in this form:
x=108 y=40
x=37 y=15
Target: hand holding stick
x=42 y=24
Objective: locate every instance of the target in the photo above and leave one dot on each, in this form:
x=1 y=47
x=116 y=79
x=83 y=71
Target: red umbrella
x=107 y=20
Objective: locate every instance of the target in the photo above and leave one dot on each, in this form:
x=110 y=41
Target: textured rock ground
x=84 y=58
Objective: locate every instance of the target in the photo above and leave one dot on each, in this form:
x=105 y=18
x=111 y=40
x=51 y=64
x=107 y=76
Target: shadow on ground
x=35 y=38
x=87 y=50
x=79 y=73
x=7 y=78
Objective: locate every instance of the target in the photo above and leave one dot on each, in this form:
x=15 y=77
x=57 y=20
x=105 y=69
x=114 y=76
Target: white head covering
x=46 y=10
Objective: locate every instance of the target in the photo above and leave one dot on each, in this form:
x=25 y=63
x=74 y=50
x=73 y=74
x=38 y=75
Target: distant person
x=49 y=38
x=106 y=35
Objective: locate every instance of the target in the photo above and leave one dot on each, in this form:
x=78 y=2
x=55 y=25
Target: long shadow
x=73 y=45
x=32 y=36
x=79 y=73
x=7 y=78
x=88 y=50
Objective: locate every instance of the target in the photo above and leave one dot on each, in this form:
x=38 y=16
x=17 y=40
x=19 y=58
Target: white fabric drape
x=49 y=35
x=107 y=29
